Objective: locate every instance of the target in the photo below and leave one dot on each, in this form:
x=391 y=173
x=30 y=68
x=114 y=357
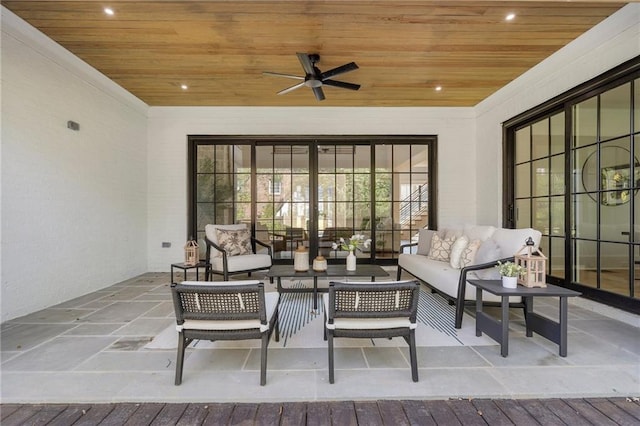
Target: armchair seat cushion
x=243 y=263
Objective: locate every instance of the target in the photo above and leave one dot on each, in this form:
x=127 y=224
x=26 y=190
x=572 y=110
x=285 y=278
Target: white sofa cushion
x=479 y=232
x=424 y=241
x=511 y=241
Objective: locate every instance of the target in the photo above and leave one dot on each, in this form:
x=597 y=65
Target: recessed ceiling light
x=184 y=86
x=438 y=88
x=109 y=11
x=510 y=17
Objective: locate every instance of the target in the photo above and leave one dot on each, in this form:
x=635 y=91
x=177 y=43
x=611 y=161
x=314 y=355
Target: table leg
x=563 y=326
x=185 y=274
x=478 y=310
x=172 y=281
x=279 y=285
x=504 y=345
x=528 y=307
x=315 y=293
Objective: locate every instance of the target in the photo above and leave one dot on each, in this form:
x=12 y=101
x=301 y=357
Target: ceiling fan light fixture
x=510 y=17
x=109 y=11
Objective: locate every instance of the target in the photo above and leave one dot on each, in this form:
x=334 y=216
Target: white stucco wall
x=612 y=42
x=73 y=203
x=169 y=128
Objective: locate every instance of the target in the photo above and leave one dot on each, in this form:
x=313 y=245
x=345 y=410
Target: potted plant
x=510 y=273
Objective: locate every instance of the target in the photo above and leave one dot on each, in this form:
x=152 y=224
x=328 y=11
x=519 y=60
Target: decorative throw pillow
x=469 y=253
x=456 y=251
x=488 y=251
x=440 y=248
x=424 y=241
x=234 y=242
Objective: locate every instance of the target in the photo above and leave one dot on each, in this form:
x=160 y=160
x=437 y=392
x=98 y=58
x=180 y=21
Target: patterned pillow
x=469 y=253
x=440 y=248
x=456 y=251
x=234 y=242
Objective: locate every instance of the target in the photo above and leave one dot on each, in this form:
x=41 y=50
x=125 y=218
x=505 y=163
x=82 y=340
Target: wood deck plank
x=367 y=413
x=268 y=414
x=392 y=413
x=244 y=414
x=417 y=413
x=318 y=413
x=169 y=415
x=218 y=414
x=565 y=412
x=70 y=415
x=294 y=414
x=120 y=414
x=542 y=414
x=610 y=410
x=589 y=412
x=21 y=415
x=145 y=414
x=343 y=413
x=629 y=406
x=515 y=412
x=47 y=414
x=466 y=412
x=442 y=413
x=95 y=415
x=194 y=415
x=491 y=413
x=8 y=409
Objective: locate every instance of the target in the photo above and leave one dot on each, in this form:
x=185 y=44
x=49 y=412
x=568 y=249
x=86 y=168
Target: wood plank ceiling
x=404 y=48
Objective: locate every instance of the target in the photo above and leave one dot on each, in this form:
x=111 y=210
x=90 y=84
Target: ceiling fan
x=314 y=78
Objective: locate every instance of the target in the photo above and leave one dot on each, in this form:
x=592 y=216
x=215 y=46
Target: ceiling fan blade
x=339 y=70
x=318 y=92
x=289 y=89
x=341 y=84
x=307 y=65
x=277 y=74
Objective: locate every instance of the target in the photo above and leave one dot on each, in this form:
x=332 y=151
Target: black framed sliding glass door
x=313 y=191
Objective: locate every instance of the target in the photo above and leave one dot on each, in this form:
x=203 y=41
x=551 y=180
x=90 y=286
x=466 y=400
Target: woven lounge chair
x=370 y=310
x=235 y=310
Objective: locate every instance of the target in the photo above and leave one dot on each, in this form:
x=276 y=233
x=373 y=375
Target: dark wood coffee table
x=546 y=327
x=333 y=271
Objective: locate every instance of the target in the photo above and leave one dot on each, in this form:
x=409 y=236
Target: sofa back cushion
x=424 y=241
x=479 y=232
x=457 y=249
x=511 y=241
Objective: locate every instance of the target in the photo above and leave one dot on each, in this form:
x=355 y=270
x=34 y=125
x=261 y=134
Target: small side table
x=499 y=330
x=185 y=268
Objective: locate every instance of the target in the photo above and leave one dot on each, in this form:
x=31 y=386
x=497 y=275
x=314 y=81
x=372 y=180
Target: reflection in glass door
x=283 y=197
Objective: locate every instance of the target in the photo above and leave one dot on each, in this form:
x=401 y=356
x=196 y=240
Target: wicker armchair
x=370 y=310
x=235 y=310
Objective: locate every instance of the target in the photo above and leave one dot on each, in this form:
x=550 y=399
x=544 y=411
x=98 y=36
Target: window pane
x=614 y=112
x=523 y=182
x=585 y=254
x=243 y=187
x=224 y=189
x=401 y=158
x=523 y=213
x=585 y=122
x=541 y=215
x=523 y=144
x=362 y=159
x=540 y=138
x=383 y=158
x=205 y=159
x=585 y=219
x=614 y=268
x=362 y=187
x=540 y=177
x=585 y=170
x=383 y=187
x=557 y=133
x=264 y=159
x=557 y=175
x=557 y=211
x=556 y=258
x=636 y=108
x=326 y=159
x=205 y=186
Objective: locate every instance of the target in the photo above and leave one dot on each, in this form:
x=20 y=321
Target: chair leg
x=413 y=355
x=330 y=348
x=398 y=273
x=277 y=324
x=263 y=359
x=180 y=358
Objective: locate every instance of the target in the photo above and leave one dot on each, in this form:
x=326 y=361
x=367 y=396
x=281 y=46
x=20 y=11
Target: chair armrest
x=404 y=246
x=462 y=284
x=260 y=243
